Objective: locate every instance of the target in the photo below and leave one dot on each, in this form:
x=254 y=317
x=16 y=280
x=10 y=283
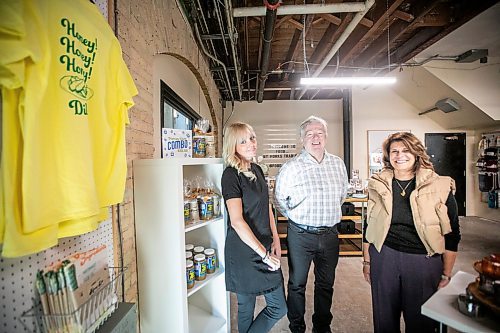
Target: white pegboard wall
x=17 y=275
x=103 y=7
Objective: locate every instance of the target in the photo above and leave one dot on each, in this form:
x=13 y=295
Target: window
x=174 y=112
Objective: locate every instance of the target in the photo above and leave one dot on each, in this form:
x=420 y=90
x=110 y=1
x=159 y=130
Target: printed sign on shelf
x=176 y=143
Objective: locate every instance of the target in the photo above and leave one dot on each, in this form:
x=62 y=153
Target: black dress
x=245 y=271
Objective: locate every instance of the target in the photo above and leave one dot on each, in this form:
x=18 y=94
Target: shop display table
x=443 y=307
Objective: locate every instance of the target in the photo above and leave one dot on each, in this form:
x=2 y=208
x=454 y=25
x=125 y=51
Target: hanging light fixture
x=347 y=81
x=355 y=80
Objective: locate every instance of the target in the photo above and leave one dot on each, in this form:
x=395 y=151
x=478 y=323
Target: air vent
x=447 y=105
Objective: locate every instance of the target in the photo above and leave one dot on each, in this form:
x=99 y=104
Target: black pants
x=265 y=320
x=323 y=250
x=402 y=283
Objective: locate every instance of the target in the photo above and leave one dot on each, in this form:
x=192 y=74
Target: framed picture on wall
x=375 y=155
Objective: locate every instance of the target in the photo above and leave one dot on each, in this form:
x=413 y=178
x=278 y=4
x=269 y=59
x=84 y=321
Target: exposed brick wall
x=145 y=29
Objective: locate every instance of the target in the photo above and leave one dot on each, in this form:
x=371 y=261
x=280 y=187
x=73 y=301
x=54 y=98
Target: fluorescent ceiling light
x=355 y=80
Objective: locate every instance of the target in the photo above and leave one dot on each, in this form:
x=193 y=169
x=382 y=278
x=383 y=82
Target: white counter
x=443 y=307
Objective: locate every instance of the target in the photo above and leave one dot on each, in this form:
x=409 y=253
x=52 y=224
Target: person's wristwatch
x=445 y=277
x=366 y=263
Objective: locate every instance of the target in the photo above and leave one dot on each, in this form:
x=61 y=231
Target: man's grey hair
x=310 y=120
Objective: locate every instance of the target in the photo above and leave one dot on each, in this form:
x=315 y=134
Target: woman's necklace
x=403 y=190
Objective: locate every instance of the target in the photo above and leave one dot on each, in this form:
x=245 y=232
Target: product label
x=211 y=263
x=176 y=143
x=200 y=270
x=190 y=276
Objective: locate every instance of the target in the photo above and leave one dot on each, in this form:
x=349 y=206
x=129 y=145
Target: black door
x=447 y=152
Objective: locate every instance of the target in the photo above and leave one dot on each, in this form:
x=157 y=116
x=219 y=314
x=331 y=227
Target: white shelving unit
x=165 y=304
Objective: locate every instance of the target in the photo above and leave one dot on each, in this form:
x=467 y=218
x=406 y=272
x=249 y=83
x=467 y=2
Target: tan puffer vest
x=428 y=206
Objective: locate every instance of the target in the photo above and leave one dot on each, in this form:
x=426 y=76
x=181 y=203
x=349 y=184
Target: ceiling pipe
x=302 y=9
x=343 y=37
x=271 y=7
x=232 y=39
x=219 y=20
x=214 y=59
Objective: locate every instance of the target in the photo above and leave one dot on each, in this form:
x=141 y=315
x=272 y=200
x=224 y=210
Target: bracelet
x=366 y=263
x=445 y=277
x=264 y=258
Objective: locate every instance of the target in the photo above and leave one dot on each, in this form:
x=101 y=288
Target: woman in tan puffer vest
x=411 y=235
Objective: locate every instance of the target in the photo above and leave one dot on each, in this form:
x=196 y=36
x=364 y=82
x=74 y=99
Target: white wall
x=279 y=121
x=374 y=108
x=380 y=108
x=477 y=83
x=181 y=80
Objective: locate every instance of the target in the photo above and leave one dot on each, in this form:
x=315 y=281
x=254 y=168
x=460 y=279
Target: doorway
x=447 y=153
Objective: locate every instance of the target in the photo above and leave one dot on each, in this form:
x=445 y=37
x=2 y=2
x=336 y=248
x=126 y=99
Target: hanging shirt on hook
x=74 y=90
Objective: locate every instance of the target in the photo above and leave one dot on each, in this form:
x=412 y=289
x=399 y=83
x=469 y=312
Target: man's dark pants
x=322 y=249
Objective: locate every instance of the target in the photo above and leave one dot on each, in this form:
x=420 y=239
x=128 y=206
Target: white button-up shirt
x=311 y=193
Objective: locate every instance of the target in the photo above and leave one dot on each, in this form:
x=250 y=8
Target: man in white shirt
x=310 y=189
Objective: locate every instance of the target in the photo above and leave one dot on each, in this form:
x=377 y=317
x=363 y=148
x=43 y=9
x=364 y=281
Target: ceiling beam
x=380 y=46
x=295 y=46
x=297 y=24
x=462 y=15
x=292 y=50
x=411 y=44
x=355 y=46
x=404 y=16
x=340 y=41
x=314 y=94
x=423 y=8
x=317 y=21
x=284 y=19
x=289 y=55
x=337 y=20
x=331 y=34
x=377 y=49
x=331 y=18
x=434 y=21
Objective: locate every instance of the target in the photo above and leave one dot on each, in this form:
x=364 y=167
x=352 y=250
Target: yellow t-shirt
x=16 y=242
x=77 y=90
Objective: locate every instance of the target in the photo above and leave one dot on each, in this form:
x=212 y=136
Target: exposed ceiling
x=260 y=53
x=474 y=86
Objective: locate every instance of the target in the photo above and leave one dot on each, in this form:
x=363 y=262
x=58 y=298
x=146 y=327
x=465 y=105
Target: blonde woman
x=252 y=244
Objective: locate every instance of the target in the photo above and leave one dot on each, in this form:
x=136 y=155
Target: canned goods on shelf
x=211 y=260
x=200 y=267
x=210 y=146
x=216 y=199
x=187 y=212
x=198 y=250
x=189 y=247
x=199 y=146
x=189 y=255
x=190 y=275
x=206 y=207
x=193 y=210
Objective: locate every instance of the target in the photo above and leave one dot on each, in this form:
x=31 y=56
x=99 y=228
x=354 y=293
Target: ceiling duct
x=446 y=105
x=473 y=55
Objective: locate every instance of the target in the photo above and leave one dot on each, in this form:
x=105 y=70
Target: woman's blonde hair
x=233 y=134
x=413 y=144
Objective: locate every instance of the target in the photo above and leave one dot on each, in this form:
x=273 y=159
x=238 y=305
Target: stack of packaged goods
x=200 y=261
